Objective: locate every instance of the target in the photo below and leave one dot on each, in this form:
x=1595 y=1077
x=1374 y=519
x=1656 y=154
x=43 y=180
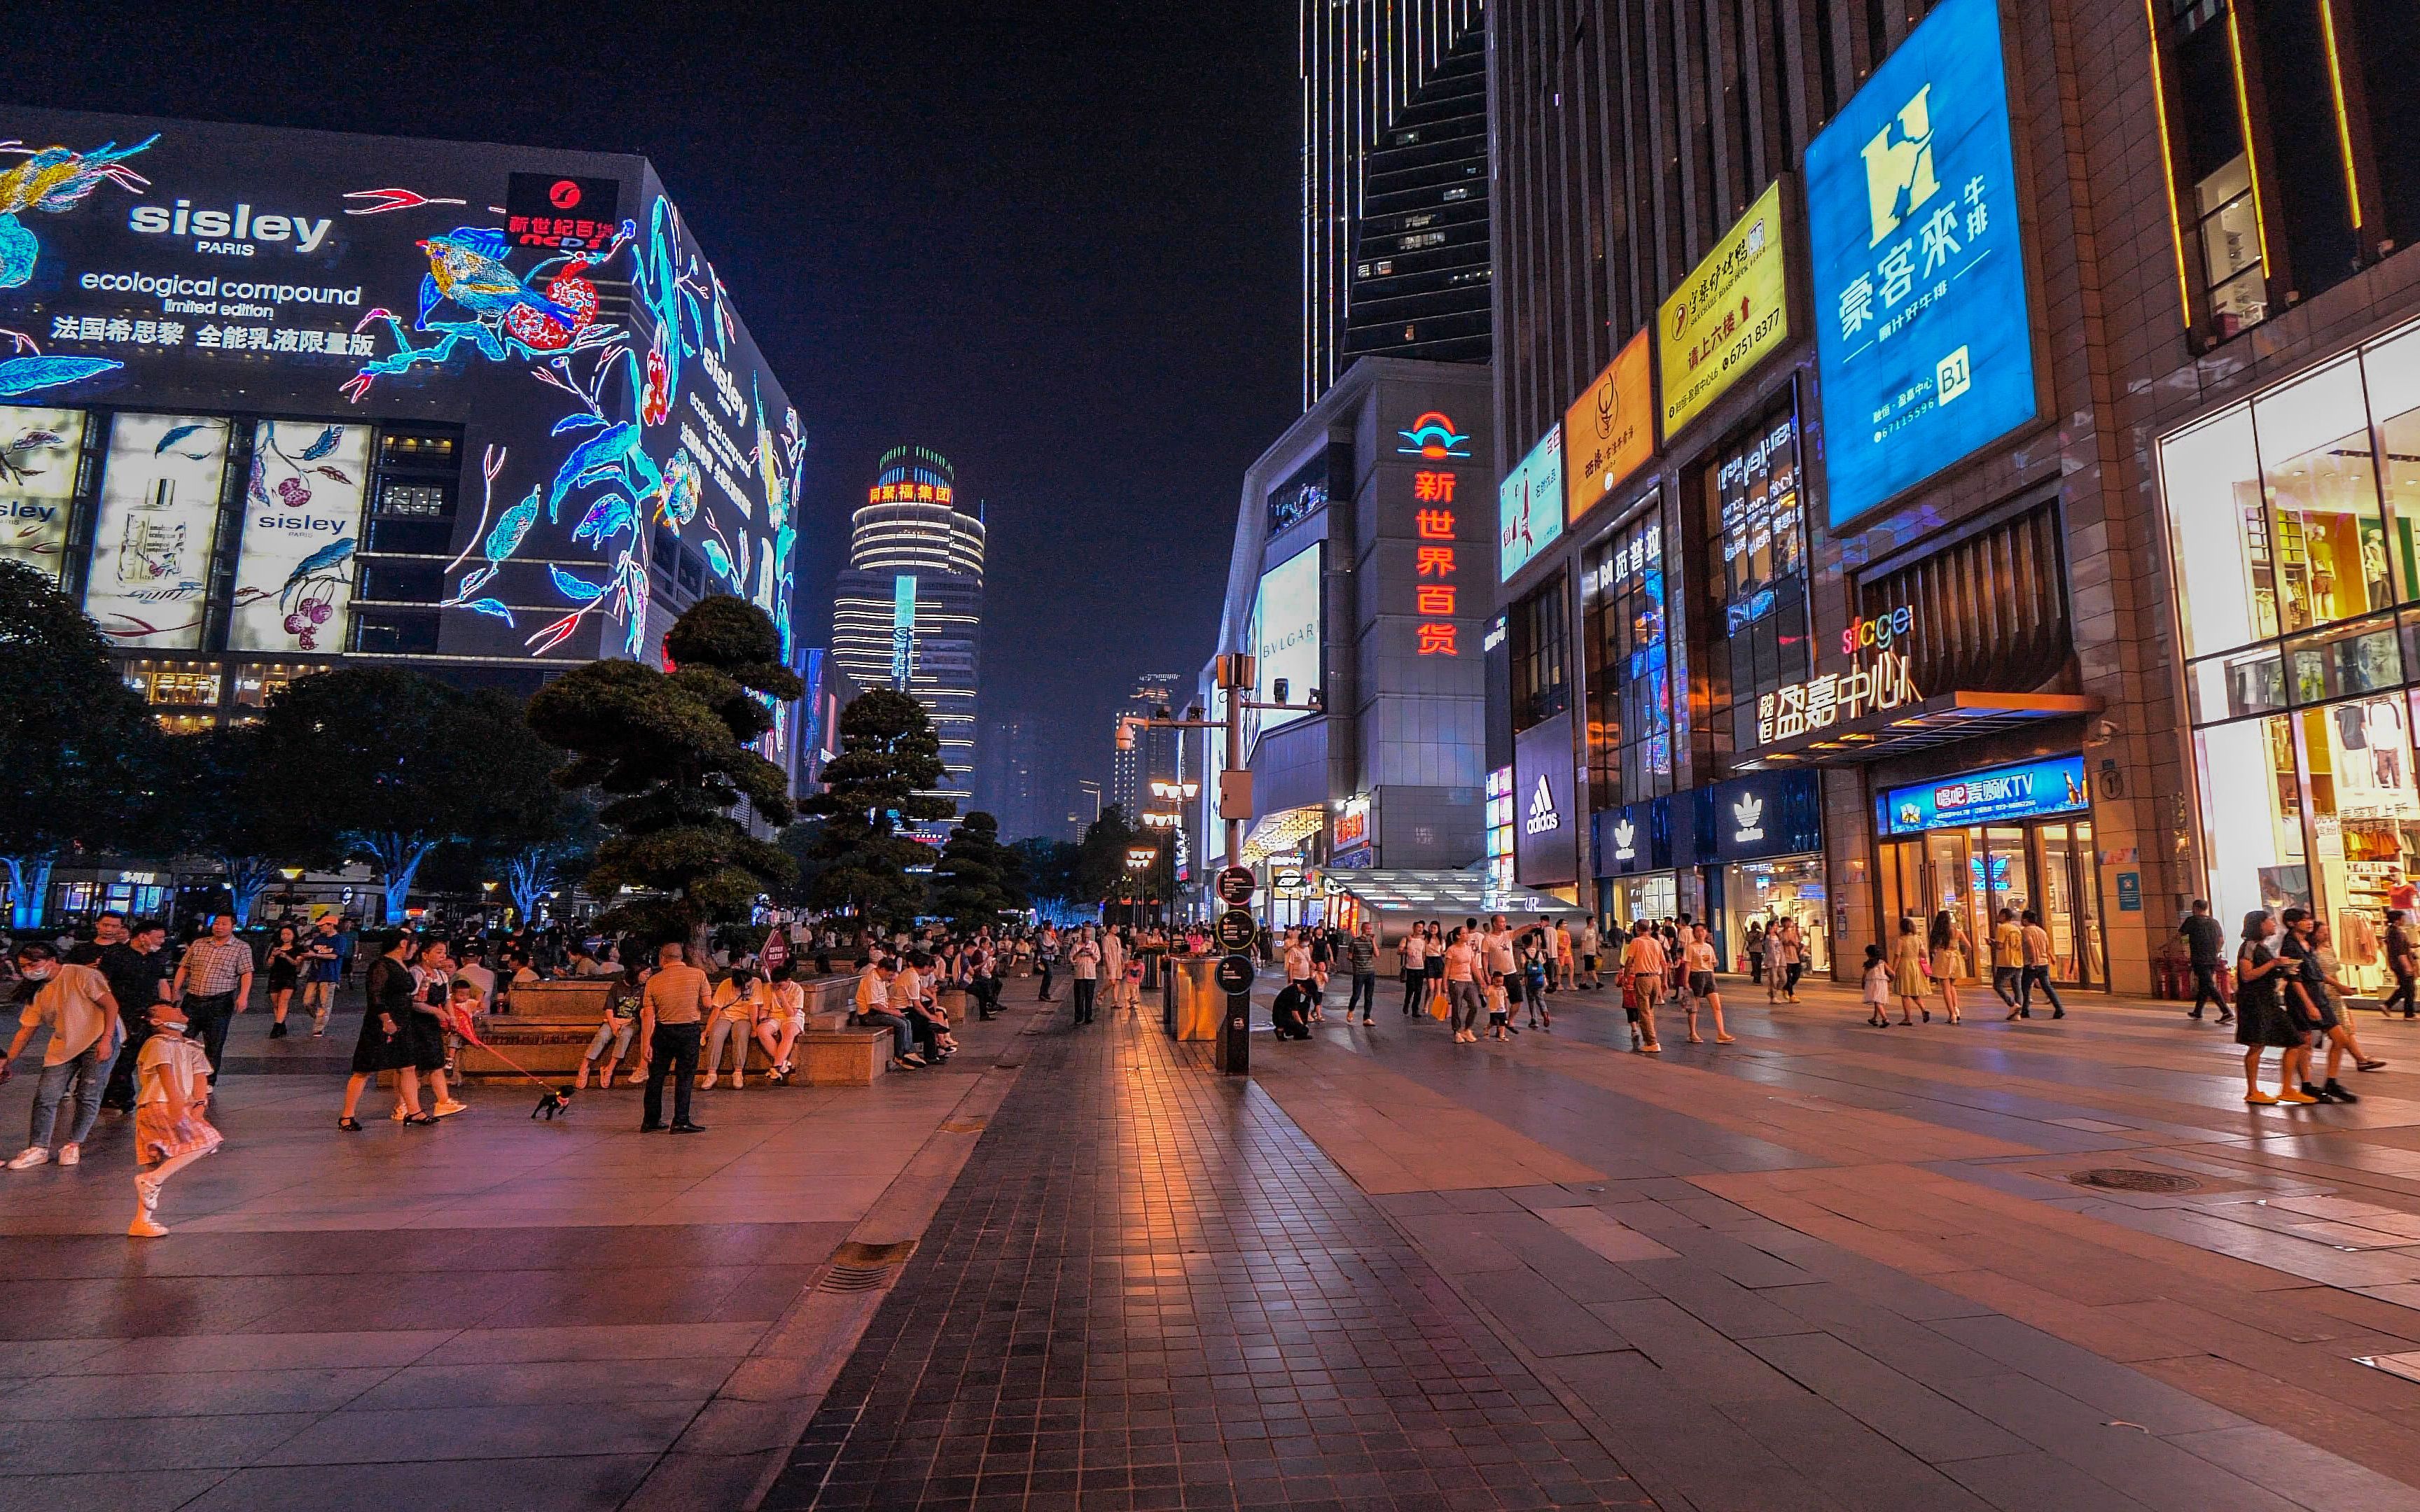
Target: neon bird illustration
x=322 y=563
x=468 y=269
x=53 y=179
x=1433 y=437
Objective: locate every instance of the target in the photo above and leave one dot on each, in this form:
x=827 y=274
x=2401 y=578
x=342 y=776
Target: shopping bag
x=1440 y=1007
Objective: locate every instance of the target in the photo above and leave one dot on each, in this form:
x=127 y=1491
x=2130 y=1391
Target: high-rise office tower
x=1017 y=784
x=1153 y=756
x=909 y=611
x=1394 y=184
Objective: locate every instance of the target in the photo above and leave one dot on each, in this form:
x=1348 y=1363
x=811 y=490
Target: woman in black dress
x=284 y=970
x=381 y=1046
x=2263 y=1019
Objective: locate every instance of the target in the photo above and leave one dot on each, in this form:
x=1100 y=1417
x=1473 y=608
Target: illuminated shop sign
x=910 y=493
x=1545 y=849
x=1529 y=505
x=1729 y=312
x=302 y=520
x=40 y=450
x=1821 y=703
x=1609 y=429
x=2002 y=792
x=1353 y=823
x=1286 y=638
x=1924 y=342
x=1883 y=631
x=1434 y=438
x=1433 y=563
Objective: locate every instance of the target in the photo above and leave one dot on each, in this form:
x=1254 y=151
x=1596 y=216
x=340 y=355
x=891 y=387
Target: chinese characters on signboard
x=1608 y=431
x=1731 y=310
x=1923 y=339
x=1821 y=703
x=1435 y=596
x=1529 y=505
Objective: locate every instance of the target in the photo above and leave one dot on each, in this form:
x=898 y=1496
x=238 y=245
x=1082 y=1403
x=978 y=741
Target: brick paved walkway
x=1148 y=1288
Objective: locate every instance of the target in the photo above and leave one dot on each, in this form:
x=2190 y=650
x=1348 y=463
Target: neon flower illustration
x=53 y=179
x=467 y=272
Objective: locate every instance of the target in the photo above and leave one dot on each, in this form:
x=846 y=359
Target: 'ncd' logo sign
x=1899 y=165
x=1542 y=815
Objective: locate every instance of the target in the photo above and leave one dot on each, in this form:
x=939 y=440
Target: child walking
x=171 y=1132
x=1878 y=988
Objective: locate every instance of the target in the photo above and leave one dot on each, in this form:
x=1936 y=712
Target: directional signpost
x=1235 y=974
x=1235 y=885
x=1235 y=931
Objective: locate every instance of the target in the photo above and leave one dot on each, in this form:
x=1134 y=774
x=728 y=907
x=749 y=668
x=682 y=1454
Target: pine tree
x=889 y=761
x=670 y=750
x=977 y=878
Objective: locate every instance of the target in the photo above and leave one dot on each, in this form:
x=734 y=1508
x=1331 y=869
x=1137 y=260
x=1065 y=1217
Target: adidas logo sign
x=1543 y=816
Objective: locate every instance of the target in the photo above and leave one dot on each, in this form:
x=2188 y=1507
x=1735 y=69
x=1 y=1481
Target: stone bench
x=553 y=1022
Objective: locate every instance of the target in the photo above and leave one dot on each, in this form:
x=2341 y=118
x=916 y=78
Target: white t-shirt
x=181 y=1064
x=1457 y=961
x=872 y=991
x=1499 y=953
x=1415 y=952
x=1699 y=955
x=69 y=1003
x=1297 y=963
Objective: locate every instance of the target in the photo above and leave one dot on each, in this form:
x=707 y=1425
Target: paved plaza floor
x=2035 y=1266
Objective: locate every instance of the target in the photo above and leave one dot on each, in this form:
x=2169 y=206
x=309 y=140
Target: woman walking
x=1907 y=972
x=1948 y=951
x=1414 y=953
x=2261 y=1017
x=284 y=970
x=382 y=1047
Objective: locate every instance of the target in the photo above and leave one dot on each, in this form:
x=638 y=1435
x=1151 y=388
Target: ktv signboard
x=2000 y=794
x=1729 y=313
x=1923 y=337
x=1529 y=506
x=1610 y=430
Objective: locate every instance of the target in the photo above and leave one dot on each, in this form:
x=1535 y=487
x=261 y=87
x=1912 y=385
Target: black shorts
x=1702 y=985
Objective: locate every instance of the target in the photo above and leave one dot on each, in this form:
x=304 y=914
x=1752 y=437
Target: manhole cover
x=858 y=1266
x=2114 y=1178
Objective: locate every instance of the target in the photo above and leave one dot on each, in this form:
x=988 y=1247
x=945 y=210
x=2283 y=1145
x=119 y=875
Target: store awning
x=1280 y=832
x=1938 y=720
x=1449 y=896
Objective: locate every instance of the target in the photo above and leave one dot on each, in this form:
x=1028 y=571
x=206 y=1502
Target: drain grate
x=2119 y=1178
x=858 y=1267
x=964 y=1126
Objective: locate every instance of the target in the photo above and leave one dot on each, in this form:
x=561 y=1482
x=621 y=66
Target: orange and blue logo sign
x=1432 y=436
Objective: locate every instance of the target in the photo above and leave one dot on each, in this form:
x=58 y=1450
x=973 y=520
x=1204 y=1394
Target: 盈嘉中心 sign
x=1922 y=335
x=1821 y=703
x=2024 y=791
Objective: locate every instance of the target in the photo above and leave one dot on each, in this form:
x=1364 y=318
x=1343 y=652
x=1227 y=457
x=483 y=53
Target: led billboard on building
x=1923 y=337
x=618 y=425
x=1610 y=430
x=39 y=452
x=1529 y=506
x=1286 y=640
x=157 y=528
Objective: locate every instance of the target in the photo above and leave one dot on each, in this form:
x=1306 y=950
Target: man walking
x=2036 y=968
x=2206 y=943
x=672 y=1025
x=1084 y=963
x=1361 y=954
x=2403 y=960
x=214 y=983
x=2009 y=962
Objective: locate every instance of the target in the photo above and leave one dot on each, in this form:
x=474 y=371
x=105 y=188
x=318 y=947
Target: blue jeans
x=89 y=1073
x=903 y=1034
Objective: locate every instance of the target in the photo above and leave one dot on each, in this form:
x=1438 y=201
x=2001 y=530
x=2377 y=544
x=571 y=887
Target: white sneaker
x=449 y=1107
x=146 y=1226
x=70 y=1155
x=147 y=1193
x=706 y=1082
x=738 y=1080
x=34 y=1155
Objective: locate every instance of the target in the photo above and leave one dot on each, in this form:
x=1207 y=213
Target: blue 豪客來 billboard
x=2028 y=791
x=1924 y=342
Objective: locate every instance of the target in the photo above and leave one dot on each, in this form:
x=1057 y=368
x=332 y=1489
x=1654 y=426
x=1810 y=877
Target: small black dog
x=551 y=1101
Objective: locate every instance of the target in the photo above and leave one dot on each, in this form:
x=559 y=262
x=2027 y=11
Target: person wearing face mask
x=74 y=1003
x=171 y=1127
x=2262 y=1017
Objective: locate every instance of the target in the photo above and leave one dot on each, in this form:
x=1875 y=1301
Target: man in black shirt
x=138 y=971
x=2206 y=943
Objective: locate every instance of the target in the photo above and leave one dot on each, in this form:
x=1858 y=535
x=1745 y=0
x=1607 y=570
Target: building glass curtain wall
x=1757 y=525
x=1629 y=664
x=909 y=611
x=2296 y=569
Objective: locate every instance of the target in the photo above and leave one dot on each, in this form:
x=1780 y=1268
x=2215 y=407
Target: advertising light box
x=158 y=525
x=40 y=450
x=2003 y=792
x=1529 y=506
x=1923 y=340
x=1285 y=639
x=302 y=520
x=1731 y=310
x=1610 y=430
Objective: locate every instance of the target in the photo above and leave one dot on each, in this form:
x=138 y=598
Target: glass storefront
x=2016 y=838
x=1791 y=886
x=1654 y=897
x=2291 y=520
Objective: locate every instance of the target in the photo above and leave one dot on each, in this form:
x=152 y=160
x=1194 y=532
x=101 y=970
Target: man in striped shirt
x=214 y=983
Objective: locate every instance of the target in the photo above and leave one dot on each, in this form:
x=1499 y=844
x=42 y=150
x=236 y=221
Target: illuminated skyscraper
x=1394 y=184
x=1152 y=758
x=909 y=611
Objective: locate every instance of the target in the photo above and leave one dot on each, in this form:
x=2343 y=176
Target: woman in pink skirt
x=170 y=1130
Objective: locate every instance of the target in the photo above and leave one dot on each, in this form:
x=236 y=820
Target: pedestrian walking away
x=672 y=1025
x=1907 y=970
x=2206 y=947
x=2009 y=962
x=2037 y=967
x=1948 y=949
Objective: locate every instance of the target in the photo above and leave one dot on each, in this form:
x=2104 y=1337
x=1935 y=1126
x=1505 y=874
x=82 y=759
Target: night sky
x=1056 y=241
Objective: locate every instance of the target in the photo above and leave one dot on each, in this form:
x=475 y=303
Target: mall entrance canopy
x=1394 y=898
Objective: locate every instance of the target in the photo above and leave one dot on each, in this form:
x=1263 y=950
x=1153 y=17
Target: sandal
x=350 y=1125
x=419 y=1120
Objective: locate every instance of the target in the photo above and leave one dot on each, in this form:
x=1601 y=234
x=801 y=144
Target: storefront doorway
x=1768 y=891
x=2032 y=850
